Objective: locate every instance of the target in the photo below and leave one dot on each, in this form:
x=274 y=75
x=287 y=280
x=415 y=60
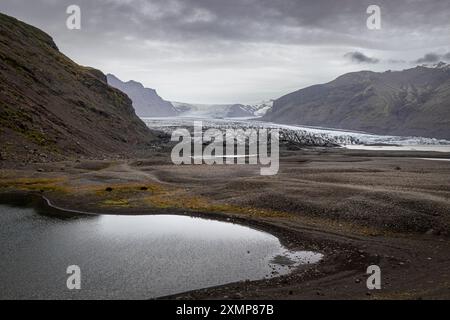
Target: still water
x=434 y=148
x=131 y=257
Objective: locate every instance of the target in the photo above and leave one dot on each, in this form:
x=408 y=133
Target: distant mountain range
x=413 y=102
x=222 y=110
x=146 y=101
x=148 y=104
x=52 y=108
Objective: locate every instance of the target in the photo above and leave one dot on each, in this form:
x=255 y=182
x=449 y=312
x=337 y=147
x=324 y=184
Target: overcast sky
x=241 y=51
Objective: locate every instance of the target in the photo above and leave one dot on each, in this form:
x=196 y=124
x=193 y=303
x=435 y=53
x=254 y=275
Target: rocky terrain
x=51 y=108
x=146 y=101
x=413 y=102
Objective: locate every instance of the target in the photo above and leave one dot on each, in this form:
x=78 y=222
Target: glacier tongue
x=302 y=135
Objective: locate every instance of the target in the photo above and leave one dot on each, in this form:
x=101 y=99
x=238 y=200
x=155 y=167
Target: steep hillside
x=52 y=108
x=411 y=102
x=146 y=101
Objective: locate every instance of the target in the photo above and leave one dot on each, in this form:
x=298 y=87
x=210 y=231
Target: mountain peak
x=136 y=84
x=146 y=102
x=442 y=65
x=38 y=37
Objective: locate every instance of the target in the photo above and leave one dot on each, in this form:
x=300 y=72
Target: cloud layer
x=216 y=51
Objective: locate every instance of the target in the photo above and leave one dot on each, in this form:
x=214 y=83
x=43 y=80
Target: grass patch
x=21 y=122
x=119 y=190
x=121 y=203
x=183 y=201
x=34 y=184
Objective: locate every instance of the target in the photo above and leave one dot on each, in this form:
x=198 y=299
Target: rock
x=40 y=170
x=237 y=296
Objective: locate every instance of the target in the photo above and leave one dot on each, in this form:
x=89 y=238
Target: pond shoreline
x=292 y=240
x=158 y=254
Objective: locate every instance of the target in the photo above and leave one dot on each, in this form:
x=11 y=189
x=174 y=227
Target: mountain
x=146 y=102
x=222 y=110
x=211 y=110
x=52 y=108
x=412 y=102
x=260 y=109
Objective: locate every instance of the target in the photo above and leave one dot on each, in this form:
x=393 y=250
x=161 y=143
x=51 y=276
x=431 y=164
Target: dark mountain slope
x=52 y=108
x=410 y=102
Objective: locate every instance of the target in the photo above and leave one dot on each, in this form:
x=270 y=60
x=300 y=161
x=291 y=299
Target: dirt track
x=357 y=207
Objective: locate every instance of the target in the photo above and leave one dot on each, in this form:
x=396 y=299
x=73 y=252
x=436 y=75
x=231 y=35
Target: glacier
x=307 y=136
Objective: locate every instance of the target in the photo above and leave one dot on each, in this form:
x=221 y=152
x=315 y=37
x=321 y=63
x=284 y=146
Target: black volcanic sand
x=357 y=207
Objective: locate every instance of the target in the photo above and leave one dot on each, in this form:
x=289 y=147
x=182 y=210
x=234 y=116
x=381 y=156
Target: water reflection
x=131 y=257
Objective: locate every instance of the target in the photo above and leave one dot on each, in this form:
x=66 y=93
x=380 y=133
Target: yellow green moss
x=34 y=184
x=122 y=203
x=183 y=201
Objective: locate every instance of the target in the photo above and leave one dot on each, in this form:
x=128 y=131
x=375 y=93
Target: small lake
x=434 y=159
x=132 y=257
x=431 y=148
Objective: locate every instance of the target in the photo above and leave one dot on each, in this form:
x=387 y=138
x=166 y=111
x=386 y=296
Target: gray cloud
x=359 y=57
x=286 y=21
x=429 y=58
x=188 y=48
x=433 y=58
x=396 y=61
